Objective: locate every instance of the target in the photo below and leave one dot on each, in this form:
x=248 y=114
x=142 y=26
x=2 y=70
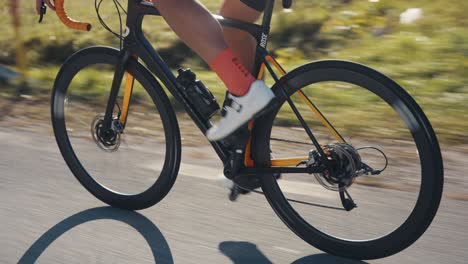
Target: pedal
x=234 y=189
x=235 y=192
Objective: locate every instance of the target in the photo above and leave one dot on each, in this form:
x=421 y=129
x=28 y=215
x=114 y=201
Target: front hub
x=106 y=139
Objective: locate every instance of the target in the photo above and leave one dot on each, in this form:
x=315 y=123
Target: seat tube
x=268 y=13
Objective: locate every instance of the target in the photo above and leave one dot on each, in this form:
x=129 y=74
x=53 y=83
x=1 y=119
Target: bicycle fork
x=108 y=121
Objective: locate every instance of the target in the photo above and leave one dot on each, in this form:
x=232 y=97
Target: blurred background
x=423 y=45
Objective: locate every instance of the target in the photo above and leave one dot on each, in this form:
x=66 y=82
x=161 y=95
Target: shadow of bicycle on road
x=246 y=252
x=327 y=259
x=156 y=241
x=238 y=252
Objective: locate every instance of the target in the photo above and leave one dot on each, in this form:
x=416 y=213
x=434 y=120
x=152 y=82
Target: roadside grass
x=429 y=58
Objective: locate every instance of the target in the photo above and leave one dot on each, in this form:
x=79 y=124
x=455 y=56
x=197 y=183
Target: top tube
x=148 y=8
x=140 y=8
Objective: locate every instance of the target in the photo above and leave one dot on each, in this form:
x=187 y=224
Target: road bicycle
x=338 y=128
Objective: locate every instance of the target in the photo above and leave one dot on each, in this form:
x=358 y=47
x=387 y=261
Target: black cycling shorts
x=258 y=5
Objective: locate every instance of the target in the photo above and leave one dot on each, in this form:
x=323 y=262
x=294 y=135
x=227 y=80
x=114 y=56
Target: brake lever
x=43 y=11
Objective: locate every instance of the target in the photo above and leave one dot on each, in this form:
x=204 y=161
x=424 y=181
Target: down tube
x=157 y=66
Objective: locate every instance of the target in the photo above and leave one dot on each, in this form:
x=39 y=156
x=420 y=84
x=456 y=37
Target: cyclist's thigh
x=236 y=9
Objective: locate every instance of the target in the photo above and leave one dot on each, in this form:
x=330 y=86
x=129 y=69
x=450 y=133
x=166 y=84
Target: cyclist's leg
x=241 y=42
x=244 y=46
x=194 y=24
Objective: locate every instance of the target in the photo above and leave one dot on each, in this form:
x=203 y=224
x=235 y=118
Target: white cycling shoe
x=240 y=109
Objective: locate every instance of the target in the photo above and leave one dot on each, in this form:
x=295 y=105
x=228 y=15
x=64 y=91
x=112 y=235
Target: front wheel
x=360 y=118
x=134 y=164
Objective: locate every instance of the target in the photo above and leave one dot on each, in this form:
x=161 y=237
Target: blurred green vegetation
x=429 y=57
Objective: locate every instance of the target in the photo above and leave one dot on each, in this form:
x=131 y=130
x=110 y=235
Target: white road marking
x=287 y=250
x=201 y=172
x=291 y=187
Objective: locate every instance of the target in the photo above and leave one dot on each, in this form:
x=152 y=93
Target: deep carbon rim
x=431 y=162
x=104 y=55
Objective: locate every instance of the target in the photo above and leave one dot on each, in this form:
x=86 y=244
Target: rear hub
x=345 y=163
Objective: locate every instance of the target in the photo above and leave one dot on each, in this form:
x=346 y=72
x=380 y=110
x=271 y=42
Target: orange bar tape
x=71 y=23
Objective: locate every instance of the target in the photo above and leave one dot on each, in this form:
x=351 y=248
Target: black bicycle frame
x=136 y=44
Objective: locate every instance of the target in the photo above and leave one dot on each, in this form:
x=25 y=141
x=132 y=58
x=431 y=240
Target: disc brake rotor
x=108 y=141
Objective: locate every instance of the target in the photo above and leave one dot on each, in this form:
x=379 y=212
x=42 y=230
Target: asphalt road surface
x=46 y=216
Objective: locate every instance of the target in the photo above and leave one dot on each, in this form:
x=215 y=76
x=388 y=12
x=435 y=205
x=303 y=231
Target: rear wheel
x=366 y=109
x=131 y=167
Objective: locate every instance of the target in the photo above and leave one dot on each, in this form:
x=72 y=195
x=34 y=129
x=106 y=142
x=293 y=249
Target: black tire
x=156 y=190
x=424 y=137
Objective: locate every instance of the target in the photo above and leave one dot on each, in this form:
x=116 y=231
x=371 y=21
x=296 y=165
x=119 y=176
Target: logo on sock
x=240 y=67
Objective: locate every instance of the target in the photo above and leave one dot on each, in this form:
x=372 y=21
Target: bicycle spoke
x=292 y=141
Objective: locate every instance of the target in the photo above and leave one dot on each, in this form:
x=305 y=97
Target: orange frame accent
x=129 y=83
x=276 y=64
x=130 y=80
x=248 y=162
x=320 y=116
x=288 y=162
